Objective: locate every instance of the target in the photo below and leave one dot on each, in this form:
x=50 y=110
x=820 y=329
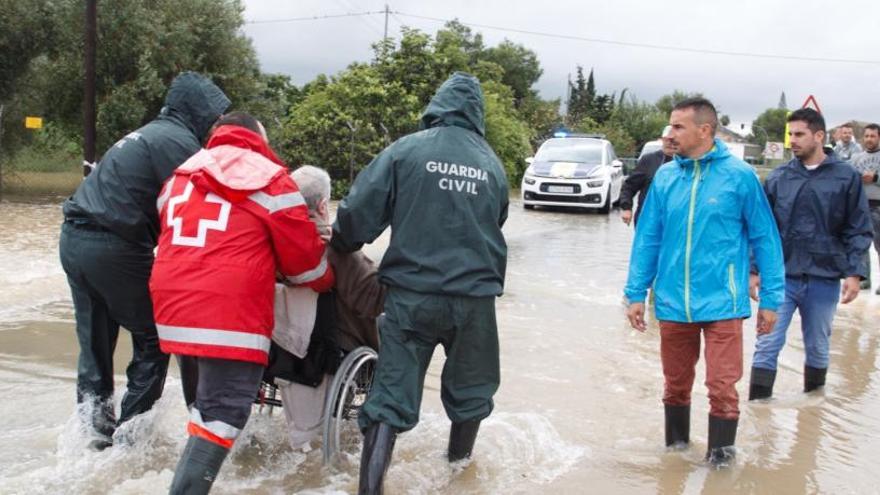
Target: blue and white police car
x=573 y=170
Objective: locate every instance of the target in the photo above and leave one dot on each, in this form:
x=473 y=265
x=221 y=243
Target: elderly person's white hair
x=314 y=184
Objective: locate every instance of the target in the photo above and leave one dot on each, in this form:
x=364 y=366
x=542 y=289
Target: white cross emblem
x=204 y=224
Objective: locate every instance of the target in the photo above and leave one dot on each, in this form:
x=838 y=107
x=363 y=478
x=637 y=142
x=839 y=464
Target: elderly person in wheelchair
x=324 y=345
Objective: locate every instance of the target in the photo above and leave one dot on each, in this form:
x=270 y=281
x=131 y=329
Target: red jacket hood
x=234 y=163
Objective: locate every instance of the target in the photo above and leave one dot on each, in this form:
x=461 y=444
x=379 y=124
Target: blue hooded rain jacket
x=700 y=220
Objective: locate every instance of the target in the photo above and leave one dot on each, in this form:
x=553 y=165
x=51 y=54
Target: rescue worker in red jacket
x=231 y=218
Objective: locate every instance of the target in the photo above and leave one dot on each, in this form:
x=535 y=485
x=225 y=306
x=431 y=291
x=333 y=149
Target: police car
x=573 y=170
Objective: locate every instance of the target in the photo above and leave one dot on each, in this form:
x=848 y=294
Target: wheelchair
x=347 y=393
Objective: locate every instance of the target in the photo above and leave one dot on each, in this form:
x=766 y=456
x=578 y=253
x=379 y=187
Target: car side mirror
x=617 y=164
x=530 y=159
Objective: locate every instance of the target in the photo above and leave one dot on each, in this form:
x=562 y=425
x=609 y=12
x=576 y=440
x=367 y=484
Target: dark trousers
x=875 y=222
x=109 y=279
x=680 y=351
x=413 y=326
x=222 y=392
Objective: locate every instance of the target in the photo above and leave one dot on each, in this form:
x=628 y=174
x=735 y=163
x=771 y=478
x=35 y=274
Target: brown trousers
x=680 y=351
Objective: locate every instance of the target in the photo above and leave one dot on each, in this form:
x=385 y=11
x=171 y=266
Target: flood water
x=578 y=411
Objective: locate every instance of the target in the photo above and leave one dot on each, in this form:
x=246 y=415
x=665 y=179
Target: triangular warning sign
x=811 y=102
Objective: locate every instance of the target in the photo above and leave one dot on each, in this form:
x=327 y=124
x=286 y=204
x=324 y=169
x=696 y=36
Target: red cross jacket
x=230 y=217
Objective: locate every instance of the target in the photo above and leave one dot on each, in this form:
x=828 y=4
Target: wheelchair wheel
x=347 y=394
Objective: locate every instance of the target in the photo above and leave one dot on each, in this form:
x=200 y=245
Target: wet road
x=578 y=410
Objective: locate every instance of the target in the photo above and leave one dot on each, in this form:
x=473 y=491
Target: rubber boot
x=761 y=383
x=103 y=421
x=198 y=467
x=375 y=458
x=678 y=426
x=814 y=378
x=722 y=436
x=461 y=440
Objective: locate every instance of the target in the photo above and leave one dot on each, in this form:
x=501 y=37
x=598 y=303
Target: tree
x=667 y=102
x=272 y=101
x=579 y=98
x=641 y=120
x=521 y=68
x=142 y=46
x=27 y=30
x=389 y=94
x=585 y=102
x=317 y=132
x=591 y=87
x=782 y=103
x=506 y=134
x=725 y=120
x=542 y=117
x=772 y=121
x=624 y=144
x=603 y=107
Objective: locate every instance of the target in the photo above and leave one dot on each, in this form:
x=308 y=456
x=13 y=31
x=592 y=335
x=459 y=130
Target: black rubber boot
x=722 y=436
x=375 y=458
x=198 y=467
x=103 y=421
x=814 y=378
x=461 y=440
x=678 y=426
x=761 y=383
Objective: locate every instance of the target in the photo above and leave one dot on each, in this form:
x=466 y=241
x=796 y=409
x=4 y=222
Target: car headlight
x=528 y=180
x=595 y=183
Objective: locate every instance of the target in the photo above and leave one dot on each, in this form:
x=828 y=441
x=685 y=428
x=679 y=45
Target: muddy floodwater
x=578 y=411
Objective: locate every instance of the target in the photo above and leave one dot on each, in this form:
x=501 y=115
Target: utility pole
x=1 y=147
x=353 y=130
x=387 y=13
x=89 y=111
x=567 y=100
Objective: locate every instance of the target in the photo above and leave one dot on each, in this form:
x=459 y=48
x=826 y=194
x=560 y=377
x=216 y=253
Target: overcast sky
x=740 y=86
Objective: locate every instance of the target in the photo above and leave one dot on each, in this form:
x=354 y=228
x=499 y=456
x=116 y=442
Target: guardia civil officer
x=111 y=226
x=443 y=192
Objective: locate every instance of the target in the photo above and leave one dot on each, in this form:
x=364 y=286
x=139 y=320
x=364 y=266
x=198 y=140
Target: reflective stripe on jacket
x=230 y=219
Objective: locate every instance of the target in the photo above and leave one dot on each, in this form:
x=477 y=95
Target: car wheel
x=606 y=207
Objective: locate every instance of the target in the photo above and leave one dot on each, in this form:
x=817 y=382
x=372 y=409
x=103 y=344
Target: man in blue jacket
x=704 y=213
x=823 y=216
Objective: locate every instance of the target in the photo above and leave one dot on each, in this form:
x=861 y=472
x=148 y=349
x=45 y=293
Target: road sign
x=774 y=150
x=811 y=102
x=33 y=122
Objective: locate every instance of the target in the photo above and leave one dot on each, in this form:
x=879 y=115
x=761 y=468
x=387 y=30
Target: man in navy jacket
x=823 y=218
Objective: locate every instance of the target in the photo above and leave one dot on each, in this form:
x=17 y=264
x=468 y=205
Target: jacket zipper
x=690 y=230
x=732 y=282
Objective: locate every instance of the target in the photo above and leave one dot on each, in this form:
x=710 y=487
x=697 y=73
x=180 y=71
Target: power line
x=314 y=17
x=648 y=45
x=370 y=21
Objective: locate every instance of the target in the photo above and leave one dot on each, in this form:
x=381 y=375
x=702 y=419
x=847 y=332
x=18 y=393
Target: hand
x=766 y=321
x=636 y=315
x=868 y=177
x=325 y=231
x=324 y=228
x=850 y=290
x=754 y=286
x=626 y=216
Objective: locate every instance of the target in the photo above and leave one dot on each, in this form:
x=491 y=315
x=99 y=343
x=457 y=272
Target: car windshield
x=570 y=150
